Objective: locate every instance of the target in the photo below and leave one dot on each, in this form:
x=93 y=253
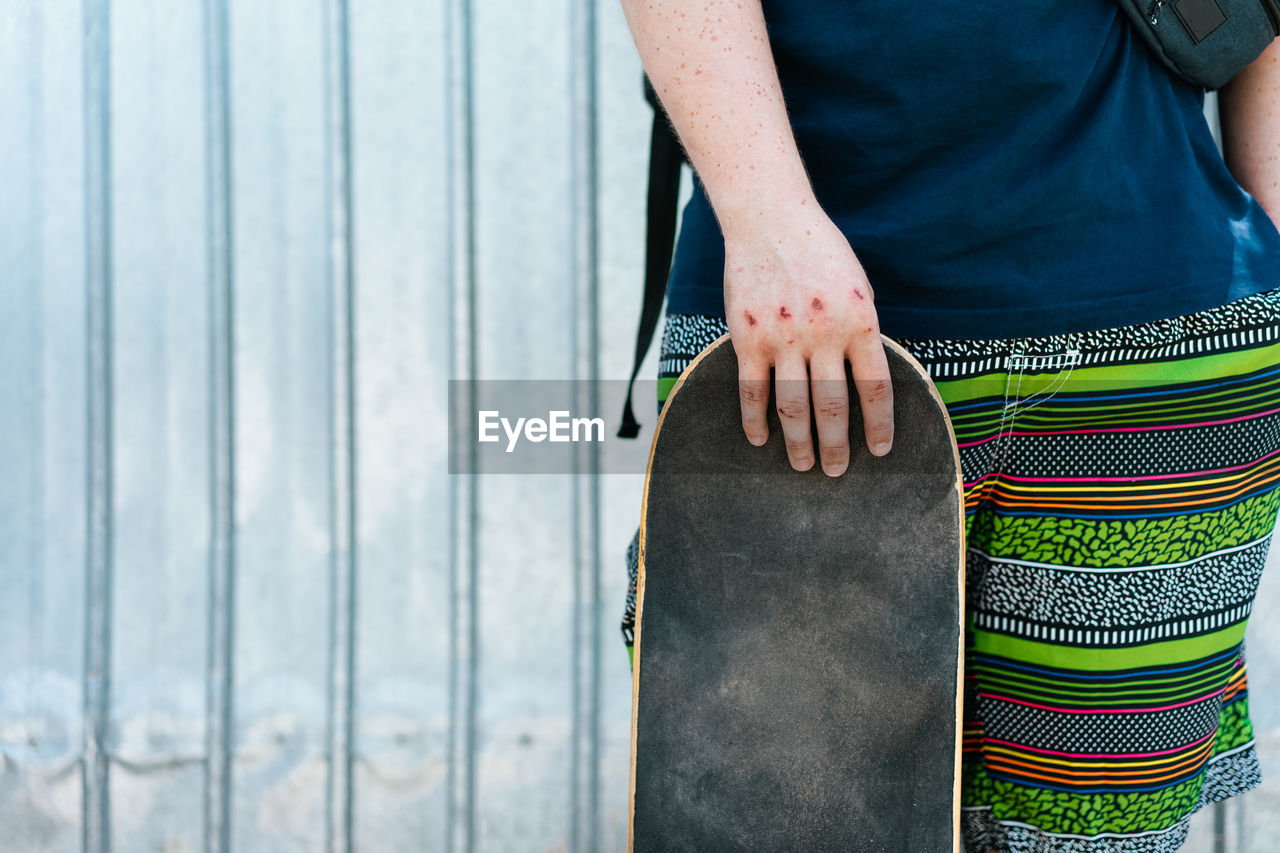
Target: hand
x=797 y=300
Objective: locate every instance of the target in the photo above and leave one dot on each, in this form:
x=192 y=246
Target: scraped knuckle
x=792 y=410
x=753 y=393
x=832 y=408
x=879 y=391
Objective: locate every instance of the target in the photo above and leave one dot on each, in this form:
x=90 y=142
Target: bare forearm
x=796 y=299
x=713 y=70
x=1249 y=108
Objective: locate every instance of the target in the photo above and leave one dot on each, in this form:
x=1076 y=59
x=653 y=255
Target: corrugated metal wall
x=243 y=606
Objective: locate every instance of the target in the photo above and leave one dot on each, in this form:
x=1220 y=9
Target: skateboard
x=798 y=648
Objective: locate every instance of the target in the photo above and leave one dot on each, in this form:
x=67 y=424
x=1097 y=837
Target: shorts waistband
x=1249 y=321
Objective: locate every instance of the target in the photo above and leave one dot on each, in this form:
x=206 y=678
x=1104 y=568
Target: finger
x=875 y=392
x=753 y=394
x=830 y=393
x=792 y=381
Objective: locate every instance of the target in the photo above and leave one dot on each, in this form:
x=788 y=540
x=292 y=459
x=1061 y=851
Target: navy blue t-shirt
x=1002 y=168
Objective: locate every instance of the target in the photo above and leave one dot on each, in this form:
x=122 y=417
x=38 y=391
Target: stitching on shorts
x=1068 y=359
x=1001 y=440
x=1010 y=409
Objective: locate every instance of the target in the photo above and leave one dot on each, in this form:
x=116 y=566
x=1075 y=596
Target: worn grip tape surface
x=798 y=644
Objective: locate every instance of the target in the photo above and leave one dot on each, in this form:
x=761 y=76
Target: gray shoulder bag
x=1205 y=41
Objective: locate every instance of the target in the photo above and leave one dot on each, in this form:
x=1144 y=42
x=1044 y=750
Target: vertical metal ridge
x=460 y=816
x=586 y=755
x=339 y=791
x=220 y=629
x=1242 y=825
x=96 y=802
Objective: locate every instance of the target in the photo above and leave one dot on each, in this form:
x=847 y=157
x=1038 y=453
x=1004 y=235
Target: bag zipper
x=1155 y=7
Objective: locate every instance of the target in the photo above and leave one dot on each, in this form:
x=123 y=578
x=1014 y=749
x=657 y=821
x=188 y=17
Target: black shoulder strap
x=665 y=157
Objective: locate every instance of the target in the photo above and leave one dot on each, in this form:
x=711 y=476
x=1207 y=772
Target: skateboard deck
x=798 y=647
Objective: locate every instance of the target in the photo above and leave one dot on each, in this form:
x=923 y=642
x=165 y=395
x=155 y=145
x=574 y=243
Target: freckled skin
x=720 y=87
x=1249 y=122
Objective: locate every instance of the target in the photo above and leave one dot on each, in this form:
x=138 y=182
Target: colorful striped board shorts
x=1120 y=495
